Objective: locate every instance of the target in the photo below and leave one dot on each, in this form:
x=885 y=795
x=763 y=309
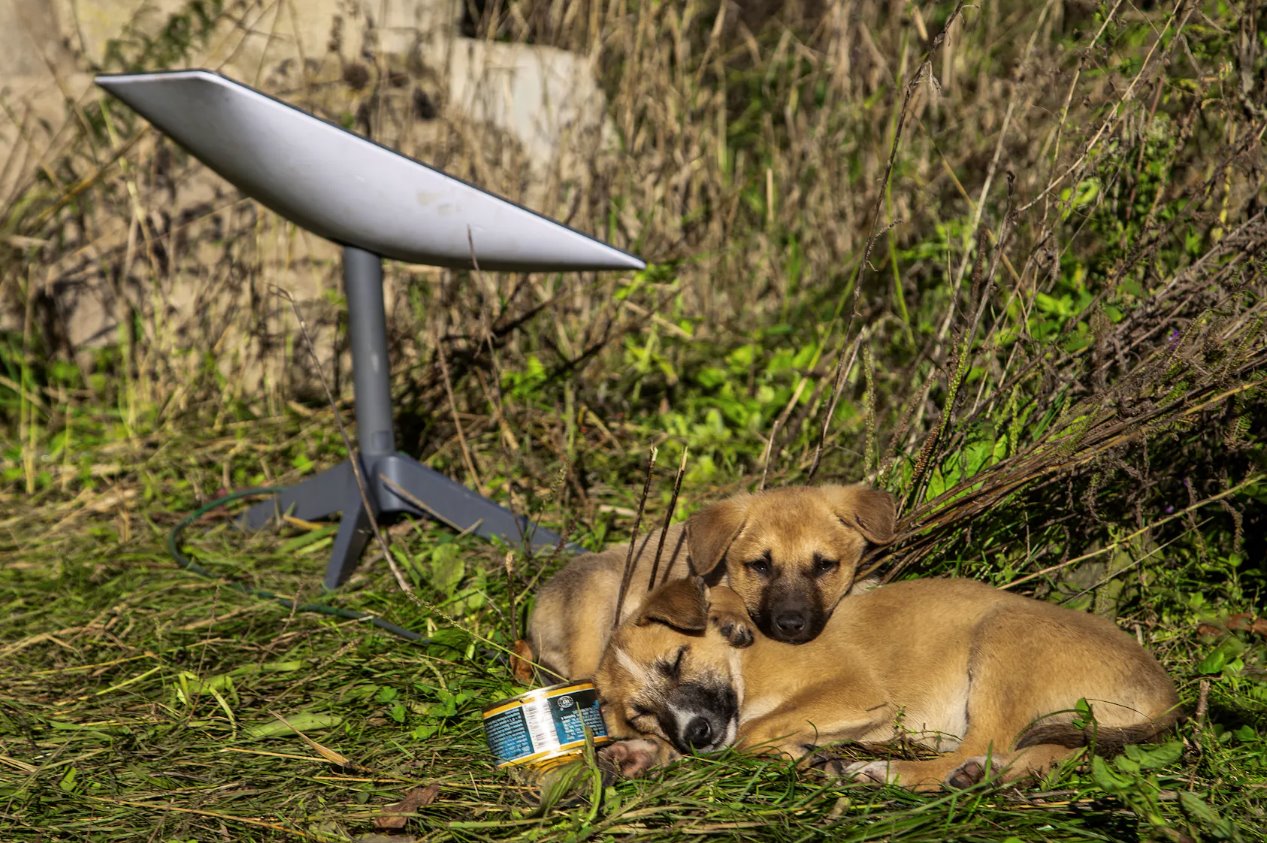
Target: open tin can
x=544 y=727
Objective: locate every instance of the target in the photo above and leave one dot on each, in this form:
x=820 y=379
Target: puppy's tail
x=1107 y=740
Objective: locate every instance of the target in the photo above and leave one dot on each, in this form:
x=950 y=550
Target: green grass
x=1029 y=300
x=140 y=703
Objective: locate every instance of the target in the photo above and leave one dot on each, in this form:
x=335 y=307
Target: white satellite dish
x=376 y=203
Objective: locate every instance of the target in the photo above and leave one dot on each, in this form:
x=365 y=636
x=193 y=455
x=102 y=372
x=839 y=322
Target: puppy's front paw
x=734 y=628
x=629 y=758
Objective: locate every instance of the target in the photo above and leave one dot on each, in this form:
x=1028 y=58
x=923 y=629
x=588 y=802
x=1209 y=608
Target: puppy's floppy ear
x=679 y=604
x=871 y=512
x=710 y=532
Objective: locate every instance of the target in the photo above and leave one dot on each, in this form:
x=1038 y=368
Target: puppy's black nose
x=698 y=732
x=790 y=623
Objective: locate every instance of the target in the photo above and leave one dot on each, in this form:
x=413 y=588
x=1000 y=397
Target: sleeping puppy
x=790 y=554
x=987 y=679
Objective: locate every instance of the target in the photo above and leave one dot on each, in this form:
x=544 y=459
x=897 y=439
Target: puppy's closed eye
x=637 y=711
x=672 y=669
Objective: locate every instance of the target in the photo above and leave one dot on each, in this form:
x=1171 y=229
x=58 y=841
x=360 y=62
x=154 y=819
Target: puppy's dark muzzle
x=791 y=616
x=702 y=732
x=703 y=717
x=791 y=626
x=698 y=732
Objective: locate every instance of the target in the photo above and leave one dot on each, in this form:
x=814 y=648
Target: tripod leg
x=349 y=542
x=310 y=499
x=322 y=495
x=423 y=490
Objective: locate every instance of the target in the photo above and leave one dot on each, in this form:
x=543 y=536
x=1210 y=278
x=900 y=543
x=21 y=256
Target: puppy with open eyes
x=987 y=679
x=789 y=554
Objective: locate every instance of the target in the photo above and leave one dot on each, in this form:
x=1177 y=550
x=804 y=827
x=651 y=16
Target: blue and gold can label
x=542 y=727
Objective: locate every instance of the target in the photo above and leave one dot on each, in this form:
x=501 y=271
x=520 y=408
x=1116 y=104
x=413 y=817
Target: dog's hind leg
x=1032 y=762
x=930 y=774
x=961 y=769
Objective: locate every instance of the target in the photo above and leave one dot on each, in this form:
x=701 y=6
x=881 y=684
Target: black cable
x=188 y=564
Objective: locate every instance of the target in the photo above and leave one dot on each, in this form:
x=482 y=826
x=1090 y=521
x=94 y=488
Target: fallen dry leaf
x=1239 y=621
x=394 y=817
x=521 y=662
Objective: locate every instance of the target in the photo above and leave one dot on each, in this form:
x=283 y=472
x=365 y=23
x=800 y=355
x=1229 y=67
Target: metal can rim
x=549 y=757
x=547 y=692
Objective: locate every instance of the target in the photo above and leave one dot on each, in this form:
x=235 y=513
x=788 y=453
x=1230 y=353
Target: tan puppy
x=977 y=674
x=791 y=554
